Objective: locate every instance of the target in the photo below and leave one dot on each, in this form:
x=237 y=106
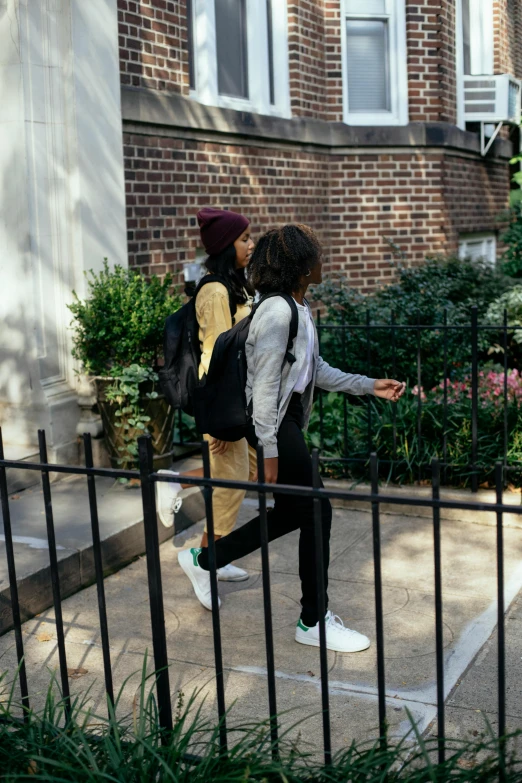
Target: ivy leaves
x=131 y=418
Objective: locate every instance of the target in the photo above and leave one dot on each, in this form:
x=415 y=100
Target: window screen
x=466 y=37
x=191 y=54
x=477 y=248
x=270 y=30
x=231 y=45
x=367 y=63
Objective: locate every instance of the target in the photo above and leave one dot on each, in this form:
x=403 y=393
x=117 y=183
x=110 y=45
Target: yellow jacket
x=213 y=314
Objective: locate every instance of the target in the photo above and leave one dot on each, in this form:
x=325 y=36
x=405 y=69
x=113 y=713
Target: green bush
x=512 y=238
x=121 y=321
x=420 y=294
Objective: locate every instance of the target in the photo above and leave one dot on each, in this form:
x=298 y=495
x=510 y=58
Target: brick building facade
x=402 y=167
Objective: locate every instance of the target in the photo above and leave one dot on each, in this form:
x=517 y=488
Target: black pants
x=289 y=513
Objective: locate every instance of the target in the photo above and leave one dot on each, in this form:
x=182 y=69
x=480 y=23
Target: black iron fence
x=444 y=365
x=148 y=479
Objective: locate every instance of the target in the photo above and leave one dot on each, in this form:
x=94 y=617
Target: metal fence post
x=98 y=568
x=474 y=397
x=419 y=396
x=439 y=638
x=216 y=625
x=445 y=398
x=500 y=623
x=368 y=370
x=13 y=585
x=55 y=577
x=321 y=607
x=157 y=612
x=505 y=390
x=321 y=402
x=269 y=633
x=379 y=622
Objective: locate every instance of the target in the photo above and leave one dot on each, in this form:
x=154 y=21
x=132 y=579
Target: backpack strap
x=217 y=279
x=294 y=323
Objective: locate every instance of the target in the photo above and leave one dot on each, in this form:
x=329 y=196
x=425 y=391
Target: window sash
x=477 y=246
x=392 y=14
x=266 y=58
x=477 y=37
x=191 y=50
x=231 y=48
x=361 y=80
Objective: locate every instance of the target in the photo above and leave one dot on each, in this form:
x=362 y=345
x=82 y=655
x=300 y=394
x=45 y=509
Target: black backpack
x=182 y=351
x=220 y=406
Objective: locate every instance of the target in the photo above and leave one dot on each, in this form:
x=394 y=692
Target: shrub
x=412 y=455
x=121 y=321
x=420 y=294
x=512 y=256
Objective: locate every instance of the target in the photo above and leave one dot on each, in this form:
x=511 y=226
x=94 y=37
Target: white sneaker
x=168 y=501
x=231 y=573
x=188 y=560
x=338 y=638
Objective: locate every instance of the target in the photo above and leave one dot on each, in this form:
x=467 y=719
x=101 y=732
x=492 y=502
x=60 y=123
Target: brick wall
x=306 y=57
x=507 y=40
x=153 y=44
x=358 y=202
x=380 y=198
x=430 y=36
x=475 y=194
x=333 y=57
x=168 y=180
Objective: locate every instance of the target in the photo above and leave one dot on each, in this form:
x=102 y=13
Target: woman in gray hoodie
x=288 y=259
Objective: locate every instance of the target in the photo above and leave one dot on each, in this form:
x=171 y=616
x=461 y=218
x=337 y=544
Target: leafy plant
x=87 y=748
x=118 y=332
x=404 y=451
x=512 y=238
x=121 y=321
x=125 y=393
x=424 y=294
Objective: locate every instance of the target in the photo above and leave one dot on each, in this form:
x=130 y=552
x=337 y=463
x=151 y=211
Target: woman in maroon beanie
x=226 y=238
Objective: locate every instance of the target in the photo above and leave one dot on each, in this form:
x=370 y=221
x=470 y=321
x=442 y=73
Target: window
x=479 y=246
x=474 y=45
x=374 y=57
x=238 y=53
x=477 y=37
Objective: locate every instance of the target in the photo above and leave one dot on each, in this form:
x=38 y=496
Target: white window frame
x=395 y=14
x=488 y=240
x=205 y=56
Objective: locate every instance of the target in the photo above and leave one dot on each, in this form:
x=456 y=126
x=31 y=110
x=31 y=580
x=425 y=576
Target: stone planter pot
x=161 y=423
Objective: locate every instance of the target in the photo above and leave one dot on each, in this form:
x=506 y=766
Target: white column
x=62 y=201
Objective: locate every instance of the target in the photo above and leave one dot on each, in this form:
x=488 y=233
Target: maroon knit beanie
x=220 y=228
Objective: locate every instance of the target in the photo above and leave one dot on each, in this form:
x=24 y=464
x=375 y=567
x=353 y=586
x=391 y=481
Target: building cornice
x=142 y=107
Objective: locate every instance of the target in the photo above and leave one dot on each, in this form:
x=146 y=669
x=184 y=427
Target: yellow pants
x=239 y=462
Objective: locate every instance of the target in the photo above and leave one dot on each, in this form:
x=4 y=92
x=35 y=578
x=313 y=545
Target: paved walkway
x=468 y=552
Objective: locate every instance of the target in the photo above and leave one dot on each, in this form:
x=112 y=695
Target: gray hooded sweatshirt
x=271 y=380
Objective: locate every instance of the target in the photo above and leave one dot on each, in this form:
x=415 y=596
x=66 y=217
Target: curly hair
x=224 y=264
x=281 y=258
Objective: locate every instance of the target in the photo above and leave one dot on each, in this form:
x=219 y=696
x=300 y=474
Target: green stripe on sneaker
x=302 y=626
x=195 y=552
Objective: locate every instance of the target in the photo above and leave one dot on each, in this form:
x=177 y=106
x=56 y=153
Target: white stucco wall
x=62 y=201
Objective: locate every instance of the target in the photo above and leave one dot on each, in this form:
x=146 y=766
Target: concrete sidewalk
x=120 y=513
x=469 y=590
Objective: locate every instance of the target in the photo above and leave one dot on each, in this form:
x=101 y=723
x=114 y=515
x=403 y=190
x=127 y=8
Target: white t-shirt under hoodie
x=305 y=376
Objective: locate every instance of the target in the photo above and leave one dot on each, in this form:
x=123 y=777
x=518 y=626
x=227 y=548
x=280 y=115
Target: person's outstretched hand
x=389 y=389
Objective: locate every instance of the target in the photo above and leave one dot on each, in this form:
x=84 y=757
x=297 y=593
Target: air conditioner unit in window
x=492 y=99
